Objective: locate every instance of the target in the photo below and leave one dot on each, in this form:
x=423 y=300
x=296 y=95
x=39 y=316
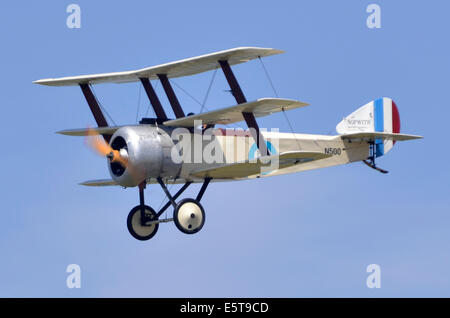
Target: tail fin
x=380 y=115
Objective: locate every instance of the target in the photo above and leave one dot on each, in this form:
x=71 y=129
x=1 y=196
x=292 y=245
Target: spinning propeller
x=96 y=142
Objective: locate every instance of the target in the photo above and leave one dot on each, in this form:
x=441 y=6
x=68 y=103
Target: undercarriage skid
x=371 y=159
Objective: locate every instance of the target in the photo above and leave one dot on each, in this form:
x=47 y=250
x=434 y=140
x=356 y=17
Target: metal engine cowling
x=148 y=151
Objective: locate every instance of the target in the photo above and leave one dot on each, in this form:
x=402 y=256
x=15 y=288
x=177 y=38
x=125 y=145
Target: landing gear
x=140 y=221
x=188 y=216
x=138 y=229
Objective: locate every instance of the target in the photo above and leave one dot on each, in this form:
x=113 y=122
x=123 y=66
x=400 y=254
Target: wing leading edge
x=186 y=67
x=228 y=115
x=234 y=171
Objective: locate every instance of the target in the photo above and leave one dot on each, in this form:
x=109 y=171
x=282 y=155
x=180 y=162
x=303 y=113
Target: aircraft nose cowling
x=145 y=148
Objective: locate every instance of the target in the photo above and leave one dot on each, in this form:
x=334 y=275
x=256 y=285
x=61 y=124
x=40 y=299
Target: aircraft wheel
x=189 y=216
x=136 y=229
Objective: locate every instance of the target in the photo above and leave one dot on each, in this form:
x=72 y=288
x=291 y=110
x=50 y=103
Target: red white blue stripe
x=386 y=119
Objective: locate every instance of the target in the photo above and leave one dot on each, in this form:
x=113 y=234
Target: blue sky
x=302 y=235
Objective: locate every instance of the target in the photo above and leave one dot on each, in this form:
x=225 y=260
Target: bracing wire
x=207 y=92
x=196 y=100
x=139 y=103
x=268 y=76
x=184 y=91
x=101 y=106
x=276 y=95
x=292 y=130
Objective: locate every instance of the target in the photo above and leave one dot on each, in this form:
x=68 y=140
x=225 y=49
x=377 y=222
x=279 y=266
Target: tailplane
x=380 y=115
x=377 y=123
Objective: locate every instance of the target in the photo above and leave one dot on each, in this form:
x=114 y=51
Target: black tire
x=197 y=216
x=138 y=231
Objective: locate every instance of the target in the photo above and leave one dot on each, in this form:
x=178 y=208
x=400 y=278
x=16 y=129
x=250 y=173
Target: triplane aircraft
x=142 y=154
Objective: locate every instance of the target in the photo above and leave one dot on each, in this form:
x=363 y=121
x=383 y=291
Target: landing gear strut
x=188 y=216
x=138 y=218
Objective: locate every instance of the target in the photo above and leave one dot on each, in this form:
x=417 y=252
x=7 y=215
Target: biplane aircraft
x=143 y=154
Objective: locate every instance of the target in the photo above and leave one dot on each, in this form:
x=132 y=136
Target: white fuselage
x=240 y=147
x=157 y=152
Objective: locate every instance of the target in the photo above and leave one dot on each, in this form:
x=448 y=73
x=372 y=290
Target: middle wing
x=85 y=131
x=228 y=115
x=250 y=167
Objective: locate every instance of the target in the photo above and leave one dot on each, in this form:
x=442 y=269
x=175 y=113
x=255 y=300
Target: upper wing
x=180 y=68
x=250 y=167
x=379 y=135
x=260 y=107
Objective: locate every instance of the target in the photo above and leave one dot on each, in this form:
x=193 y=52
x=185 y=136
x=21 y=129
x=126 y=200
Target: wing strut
x=171 y=96
x=95 y=109
x=240 y=99
x=154 y=100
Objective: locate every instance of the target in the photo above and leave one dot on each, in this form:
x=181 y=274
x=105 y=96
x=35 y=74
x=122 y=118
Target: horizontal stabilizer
x=85 y=131
x=180 y=68
x=370 y=136
x=254 y=167
x=232 y=114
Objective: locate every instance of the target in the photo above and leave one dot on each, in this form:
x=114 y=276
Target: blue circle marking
x=253 y=149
